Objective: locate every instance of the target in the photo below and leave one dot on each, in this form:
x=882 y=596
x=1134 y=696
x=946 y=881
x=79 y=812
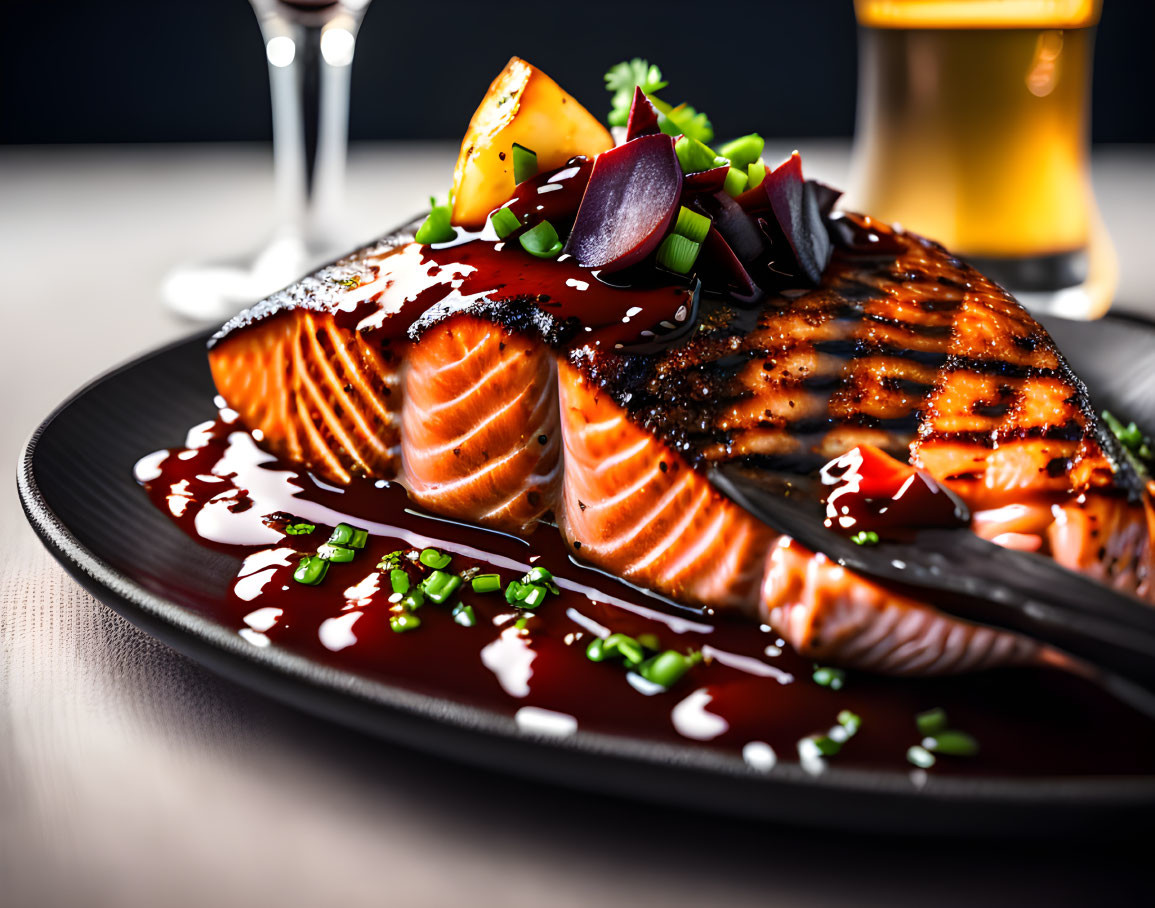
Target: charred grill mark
x=1070 y=431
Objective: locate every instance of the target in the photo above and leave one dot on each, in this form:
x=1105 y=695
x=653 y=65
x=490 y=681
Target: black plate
x=76 y=485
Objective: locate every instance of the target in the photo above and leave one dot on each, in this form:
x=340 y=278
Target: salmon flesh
x=491 y=407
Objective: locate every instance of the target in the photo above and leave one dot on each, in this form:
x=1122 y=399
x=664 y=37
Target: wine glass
x=309 y=45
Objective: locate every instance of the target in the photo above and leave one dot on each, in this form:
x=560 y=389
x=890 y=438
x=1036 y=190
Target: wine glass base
x=215 y=291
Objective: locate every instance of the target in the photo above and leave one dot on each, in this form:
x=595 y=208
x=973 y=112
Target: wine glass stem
x=309 y=69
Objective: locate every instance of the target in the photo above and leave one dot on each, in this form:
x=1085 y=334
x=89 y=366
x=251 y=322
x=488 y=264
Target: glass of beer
x=973 y=129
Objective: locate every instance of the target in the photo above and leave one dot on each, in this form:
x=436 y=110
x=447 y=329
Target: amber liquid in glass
x=972 y=129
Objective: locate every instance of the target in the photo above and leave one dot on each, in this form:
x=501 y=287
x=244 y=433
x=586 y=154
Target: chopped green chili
x=541 y=241
x=399 y=580
x=504 y=222
x=338 y=553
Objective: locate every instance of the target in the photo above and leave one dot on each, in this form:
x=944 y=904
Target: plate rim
x=212 y=645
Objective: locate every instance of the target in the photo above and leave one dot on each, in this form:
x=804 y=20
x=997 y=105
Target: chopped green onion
x=952 y=743
x=743 y=151
x=524 y=163
x=829 y=677
x=432 y=558
x=504 y=222
x=678 y=253
x=389 y=562
x=413 y=600
x=338 y=553
x=1130 y=436
x=353 y=537
x=691 y=225
x=756 y=173
x=463 y=615
x=735 y=181
x=399 y=580
x=436 y=227
x=486 y=583
x=627 y=647
x=931 y=722
x=513 y=592
x=299 y=529
x=406 y=621
x=665 y=668
x=597 y=651
x=649 y=641
x=920 y=757
x=537 y=575
x=311 y=570
x=541 y=240
x=850 y=721
x=535 y=595
x=439 y=586
x=694 y=156
x=865 y=537
x=826 y=745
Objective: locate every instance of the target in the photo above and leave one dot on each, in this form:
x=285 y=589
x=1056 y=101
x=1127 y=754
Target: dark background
x=161 y=71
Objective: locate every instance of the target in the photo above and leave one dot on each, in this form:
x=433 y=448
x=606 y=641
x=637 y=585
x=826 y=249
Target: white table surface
x=144 y=780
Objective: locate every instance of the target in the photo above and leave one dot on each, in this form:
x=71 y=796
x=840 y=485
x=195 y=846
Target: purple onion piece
x=629 y=204
x=643 y=117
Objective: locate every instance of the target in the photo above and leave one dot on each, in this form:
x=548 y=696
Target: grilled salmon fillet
x=490 y=412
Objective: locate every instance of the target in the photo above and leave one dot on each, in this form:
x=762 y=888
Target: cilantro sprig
x=681 y=119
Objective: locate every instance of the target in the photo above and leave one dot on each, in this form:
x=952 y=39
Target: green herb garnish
x=623 y=78
x=931 y=722
x=678 y=253
x=692 y=225
x=311 y=570
x=1132 y=438
x=351 y=536
x=486 y=583
x=299 y=529
x=833 y=678
x=865 y=537
x=434 y=559
x=524 y=163
x=504 y=222
x=436 y=227
x=743 y=151
x=541 y=241
x=755 y=174
x=406 y=621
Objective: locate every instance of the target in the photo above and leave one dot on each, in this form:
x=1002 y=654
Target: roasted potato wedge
x=525 y=106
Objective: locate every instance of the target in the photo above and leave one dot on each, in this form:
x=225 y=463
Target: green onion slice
x=952 y=743
x=865 y=537
x=833 y=678
x=744 y=150
x=597 y=651
x=486 y=583
x=691 y=225
x=931 y=722
x=542 y=241
x=432 y=558
x=524 y=163
x=337 y=553
x=399 y=580
x=735 y=181
x=464 y=615
x=756 y=173
x=678 y=253
x=666 y=668
x=694 y=156
x=311 y=570
x=850 y=721
x=404 y=622
x=436 y=227
x=504 y=222
x=351 y=536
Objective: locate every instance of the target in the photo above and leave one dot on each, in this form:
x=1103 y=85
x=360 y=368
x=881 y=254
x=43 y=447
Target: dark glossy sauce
x=751 y=695
x=867 y=489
